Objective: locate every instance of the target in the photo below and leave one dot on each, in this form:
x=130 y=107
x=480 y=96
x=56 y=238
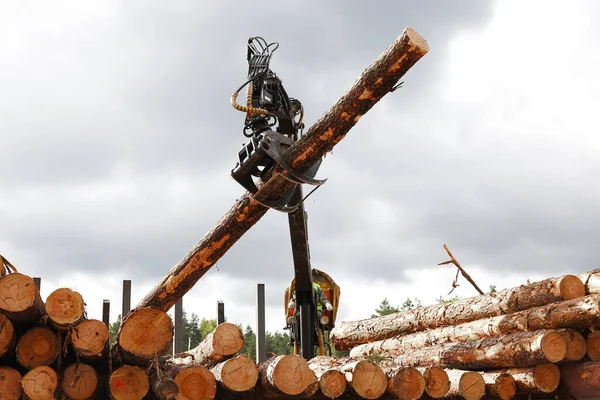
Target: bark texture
x=223 y=342
x=579 y=313
x=591 y=280
x=64 y=308
x=40 y=383
x=543 y=378
x=79 y=381
x=20 y=299
x=349 y=334
x=129 y=382
x=164 y=388
x=520 y=349
x=372 y=85
x=285 y=375
x=580 y=380
x=10 y=383
x=235 y=375
x=499 y=385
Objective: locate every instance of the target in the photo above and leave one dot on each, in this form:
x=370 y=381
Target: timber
x=467 y=384
x=37 y=347
x=285 y=375
x=522 y=349
x=349 y=334
x=236 y=375
x=332 y=383
x=90 y=339
x=79 y=381
x=65 y=308
x=580 y=380
x=194 y=382
x=437 y=382
x=576 y=344
x=20 y=299
x=593 y=345
x=223 y=342
x=164 y=388
x=129 y=382
x=370 y=87
x=10 y=383
x=365 y=379
x=579 y=313
x=541 y=379
x=40 y=383
x=499 y=385
x=591 y=280
x=8 y=338
x=406 y=383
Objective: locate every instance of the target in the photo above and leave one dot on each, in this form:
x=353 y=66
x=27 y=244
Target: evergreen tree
x=385 y=308
x=113 y=329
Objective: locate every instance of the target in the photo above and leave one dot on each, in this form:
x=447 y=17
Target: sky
x=118 y=139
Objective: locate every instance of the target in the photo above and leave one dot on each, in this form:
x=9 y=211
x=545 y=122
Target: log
x=128 y=382
x=65 y=308
x=332 y=383
x=593 y=345
x=20 y=299
x=580 y=380
x=194 y=382
x=576 y=344
x=79 y=381
x=41 y=383
x=90 y=338
x=579 y=313
x=370 y=87
x=437 y=382
x=37 y=347
x=350 y=334
x=236 y=375
x=164 y=388
x=406 y=383
x=543 y=378
x=521 y=349
x=468 y=384
x=144 y=334
x=10 y=383
x=284 y=375
x=499 y=385
x=223 y=342
x=591 y=280
x=8 y=338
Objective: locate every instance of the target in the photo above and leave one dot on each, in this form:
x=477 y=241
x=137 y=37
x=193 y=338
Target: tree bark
x=223 y=342
x=522 y=349
x=65 y=308
x=129 y=382
x=591 y=280
x=437 y=382
x=90 y=339
x=236 y=375
x=194 y=382
x=285 y=375
x=79 y=381
x=350 y=334
x=40 y=383
x=144 y=334
x=580 y=380
x=10 y=383
x=37 y=347
x=593 y=345
x=499 y=385
x=8 y=339
x=579 y=313
x=20 y=299
x=372 y=85
x=163 y=387
x=467 y=384
x=332 y=383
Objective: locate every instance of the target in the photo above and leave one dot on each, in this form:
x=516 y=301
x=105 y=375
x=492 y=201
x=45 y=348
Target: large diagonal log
x=370 y=87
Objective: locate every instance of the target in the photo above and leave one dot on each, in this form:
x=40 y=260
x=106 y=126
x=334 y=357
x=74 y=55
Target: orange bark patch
x=366 y=95
x=396 y=66
x=327 y=134
x=345 y=116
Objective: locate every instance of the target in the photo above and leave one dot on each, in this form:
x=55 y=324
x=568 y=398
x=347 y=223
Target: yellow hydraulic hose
x=248 y=109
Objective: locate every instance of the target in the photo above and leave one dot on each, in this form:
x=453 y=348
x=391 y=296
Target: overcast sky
x=117 y=141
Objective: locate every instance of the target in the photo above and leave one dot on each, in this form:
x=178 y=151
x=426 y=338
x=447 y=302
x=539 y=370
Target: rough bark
x=349 y=334
x=163 y=387
x=38 y=346
x=579 y=313
x=467 y=384
x=90 y=338
x=499 y=385
x=8 y=339
x=522 y=349
x=437 y=382
x=223 y=342
x=145 y=333
x=372 y=85
x=236 y=375
x=79 y=381
x=65 y=308
x=129 y=382
x=10 y=383
x=332 y=383
x=194 y=382
x=591 y=280
x=20 y=299
x=593 y=345
x=580 y=380
x=285 y=375
x=40 y=383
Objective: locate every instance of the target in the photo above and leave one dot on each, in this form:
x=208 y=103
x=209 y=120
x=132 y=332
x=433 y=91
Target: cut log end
x=10 y=383
x=17 y=292
x=239 y=374
x=38 y=346
x=407 y=384
x=196 y=383
x=576 y=345
x=40 y=383
x=64 y=307
x=129 y=383
x=89 y=337
x=553 y=346
x=146 y=332
x=7 y=335
x=332 y=384
x=368 y=380
x=437 y=383
x=546 y=377
x=79 y=381
x=291 y=375
x=228 y=339
x=571 y=287
x=504 y=387
x=417 y=40
x=593 y=346
x=471 y=385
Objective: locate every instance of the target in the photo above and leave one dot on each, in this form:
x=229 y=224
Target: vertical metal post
x=178 y=327
x=261 y=344
x=106 y=312
x=220 y=312
x=38 y=283
x=126 y=298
